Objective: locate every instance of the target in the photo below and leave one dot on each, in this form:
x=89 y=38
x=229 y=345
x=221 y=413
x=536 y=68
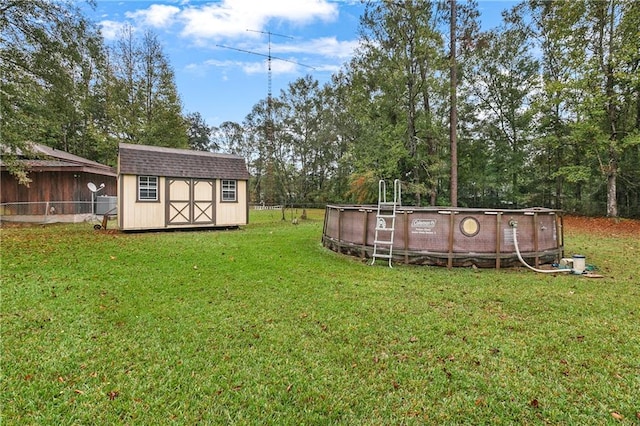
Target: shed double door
x=190 y=201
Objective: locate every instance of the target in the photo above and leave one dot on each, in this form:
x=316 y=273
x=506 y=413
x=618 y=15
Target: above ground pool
x=446 y=236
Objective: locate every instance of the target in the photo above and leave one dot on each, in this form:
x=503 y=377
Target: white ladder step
x=384 y=256
x=383 y=242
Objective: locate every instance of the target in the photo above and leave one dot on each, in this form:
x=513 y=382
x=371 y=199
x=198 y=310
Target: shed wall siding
x=140 y=215
x=231 y=214
x=136 y=215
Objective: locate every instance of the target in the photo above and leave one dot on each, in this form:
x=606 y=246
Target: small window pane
x=228 y=190
x=147 y=188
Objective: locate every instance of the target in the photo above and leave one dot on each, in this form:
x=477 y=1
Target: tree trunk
x=612 y=177
x=453 y=119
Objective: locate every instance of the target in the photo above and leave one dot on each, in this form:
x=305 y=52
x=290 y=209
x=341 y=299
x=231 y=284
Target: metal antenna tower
x=269 y=119
x=269 y=72
x=269 y=34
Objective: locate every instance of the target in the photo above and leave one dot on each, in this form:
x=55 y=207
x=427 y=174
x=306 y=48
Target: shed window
x=229 y=193
x=147 y=188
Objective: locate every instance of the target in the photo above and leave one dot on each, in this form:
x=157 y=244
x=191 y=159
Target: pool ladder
x=383 y=240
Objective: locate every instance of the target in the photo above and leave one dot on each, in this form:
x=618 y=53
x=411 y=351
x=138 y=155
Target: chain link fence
x=58 y=211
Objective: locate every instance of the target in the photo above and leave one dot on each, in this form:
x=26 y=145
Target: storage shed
x=165 y=188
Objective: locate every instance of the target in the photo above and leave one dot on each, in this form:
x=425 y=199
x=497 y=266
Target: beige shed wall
x=140 y=215
x=231 y=214
x=134 y=215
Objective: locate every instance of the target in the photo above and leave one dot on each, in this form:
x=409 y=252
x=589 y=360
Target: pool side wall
x=440 y=236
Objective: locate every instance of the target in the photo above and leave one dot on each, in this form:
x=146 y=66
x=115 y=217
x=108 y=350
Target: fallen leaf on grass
x=402 y=357
x=289 y=387
x=113 y=395
x=79 y=392
x=534 y=403
x=617 y=416
x=447 y=372
x=413 y=339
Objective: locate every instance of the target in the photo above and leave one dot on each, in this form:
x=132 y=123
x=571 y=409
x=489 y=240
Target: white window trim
x=147 y=186
x=226 y=190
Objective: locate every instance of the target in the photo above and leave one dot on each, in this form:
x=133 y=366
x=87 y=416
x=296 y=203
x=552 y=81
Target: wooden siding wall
x=134 y=215
x=232 y=214
x=53 y=186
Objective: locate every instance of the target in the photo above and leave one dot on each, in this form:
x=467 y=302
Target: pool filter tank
x=579 y=263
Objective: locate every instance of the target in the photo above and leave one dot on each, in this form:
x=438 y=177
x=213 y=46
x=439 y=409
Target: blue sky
x=223 y=84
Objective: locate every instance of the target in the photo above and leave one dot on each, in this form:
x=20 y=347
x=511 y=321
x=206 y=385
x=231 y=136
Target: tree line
x=64 y=87
x=548 y=105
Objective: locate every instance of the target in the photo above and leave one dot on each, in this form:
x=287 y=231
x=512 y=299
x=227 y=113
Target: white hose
x=543 y=271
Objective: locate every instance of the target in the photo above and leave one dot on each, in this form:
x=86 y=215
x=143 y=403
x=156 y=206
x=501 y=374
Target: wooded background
x=548 y=106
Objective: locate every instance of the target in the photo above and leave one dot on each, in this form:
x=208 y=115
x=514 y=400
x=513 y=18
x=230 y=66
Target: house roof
x=172 y=162
x=42 y=158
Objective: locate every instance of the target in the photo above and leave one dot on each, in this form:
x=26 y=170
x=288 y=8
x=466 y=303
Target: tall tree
x=453 y=116
x=230 y=137
x=126 y=94
x=147 y=107
x=505 y=77
x=164 y=124
x=600 y=38
x=49 y=58
x=402 y=53
x=311 y=141
x=200 y=133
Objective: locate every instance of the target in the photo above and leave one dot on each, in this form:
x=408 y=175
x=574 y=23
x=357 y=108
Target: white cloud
x=206 y=24
x=216 y=21
x=111 y=29
x=232 y=18
x=277 y=67
x=247 y=67
x=156 y=16
x=325 y=46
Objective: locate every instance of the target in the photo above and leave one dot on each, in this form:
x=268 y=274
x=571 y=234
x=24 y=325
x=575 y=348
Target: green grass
x=262 y=325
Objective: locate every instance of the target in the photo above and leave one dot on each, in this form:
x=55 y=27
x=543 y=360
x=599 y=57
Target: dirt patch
x=602 y=226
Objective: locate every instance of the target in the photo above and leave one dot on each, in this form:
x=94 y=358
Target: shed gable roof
x=172 y=162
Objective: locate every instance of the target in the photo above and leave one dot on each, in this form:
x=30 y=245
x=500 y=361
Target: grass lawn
x=262 y=325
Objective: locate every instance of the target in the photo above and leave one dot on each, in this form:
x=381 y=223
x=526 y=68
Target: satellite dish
x=92 y=187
